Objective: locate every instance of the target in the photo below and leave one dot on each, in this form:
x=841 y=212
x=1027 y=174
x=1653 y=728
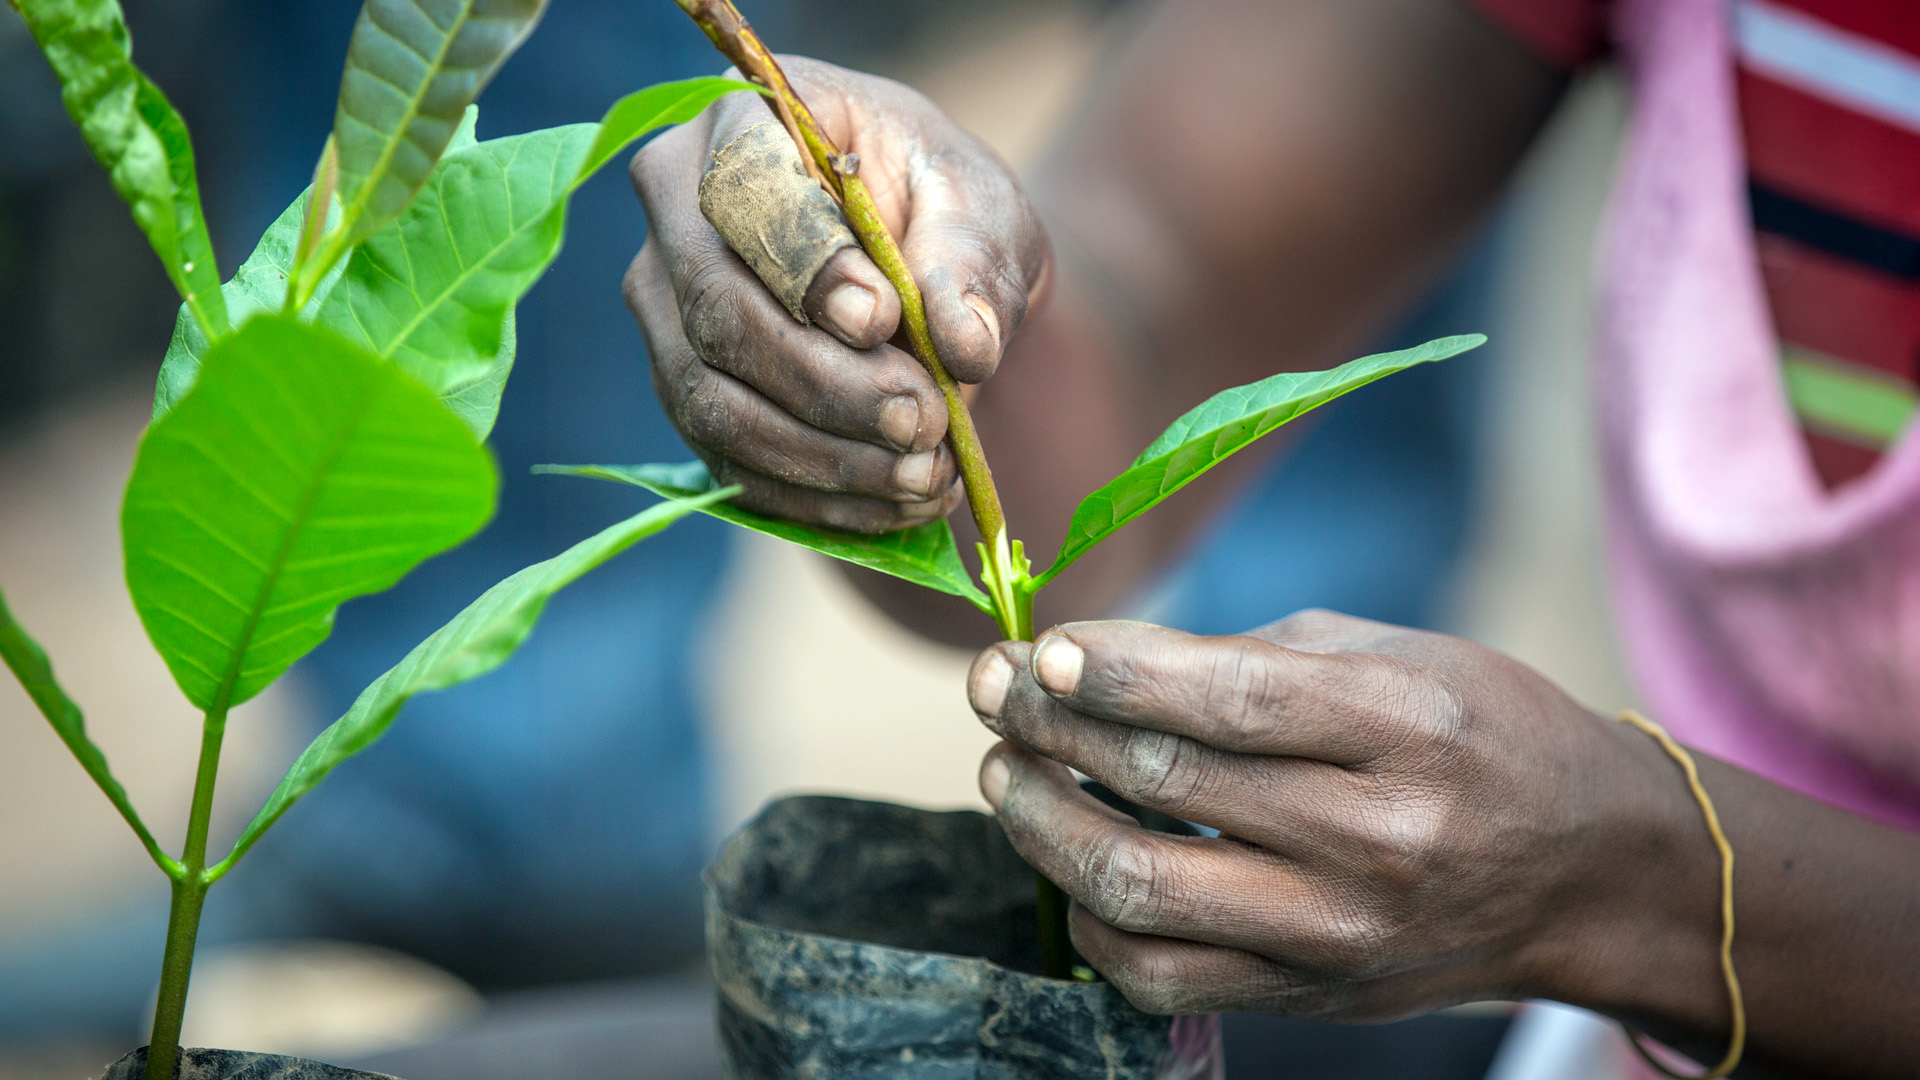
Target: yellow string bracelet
x=1738 y=1042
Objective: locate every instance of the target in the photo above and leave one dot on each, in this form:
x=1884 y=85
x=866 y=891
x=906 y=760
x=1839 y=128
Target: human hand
x=828 y=424
x=1409 y=820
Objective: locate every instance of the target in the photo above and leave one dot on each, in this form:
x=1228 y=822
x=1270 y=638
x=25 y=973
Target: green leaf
x=300 y=472
x=477 y=403
x=925 y=554
x=1218 y=427
x=258 y=287
x=413 y=67
x=31 y=666
x=478 y=640
x=656 y=106
x=468 y=133
x=432 y=291
x=137 y=135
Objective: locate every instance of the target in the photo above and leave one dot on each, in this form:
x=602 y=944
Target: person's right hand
x=828 y=424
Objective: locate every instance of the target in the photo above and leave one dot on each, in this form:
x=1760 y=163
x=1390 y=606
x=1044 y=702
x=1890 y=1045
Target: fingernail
x=850 y=308
x=914 y=474
x=993 y=780
x=987 y=690
x=1057 y=663
x=988 y=320
x=900 y=420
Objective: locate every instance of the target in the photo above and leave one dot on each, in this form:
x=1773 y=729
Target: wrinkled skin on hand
x=1409 y=820
x=830 y=424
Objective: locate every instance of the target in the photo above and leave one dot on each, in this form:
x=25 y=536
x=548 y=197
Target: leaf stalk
x=30 y=665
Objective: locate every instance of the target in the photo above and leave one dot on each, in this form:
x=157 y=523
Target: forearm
x=1827 y=910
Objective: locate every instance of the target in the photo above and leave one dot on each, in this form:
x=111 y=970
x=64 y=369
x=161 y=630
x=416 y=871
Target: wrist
x=1637 y=927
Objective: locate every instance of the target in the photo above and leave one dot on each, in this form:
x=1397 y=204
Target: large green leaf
x=413 y=67
x=137 y=135
x=432 y=290
x=260 y=286
x=1218 y=427
x=925 y=554
x=478 y=640
x=300 y=472
x=35 y=672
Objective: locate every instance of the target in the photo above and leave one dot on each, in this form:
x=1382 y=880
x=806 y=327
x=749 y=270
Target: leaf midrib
x=222 y=697
x=413 y=110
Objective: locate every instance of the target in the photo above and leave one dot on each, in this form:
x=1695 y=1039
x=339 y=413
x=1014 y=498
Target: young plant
x=927 y=554
x=319 y=419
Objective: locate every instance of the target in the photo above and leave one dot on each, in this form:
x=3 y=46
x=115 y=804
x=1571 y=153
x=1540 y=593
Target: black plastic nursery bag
x=202 y=1064
x=858 y=940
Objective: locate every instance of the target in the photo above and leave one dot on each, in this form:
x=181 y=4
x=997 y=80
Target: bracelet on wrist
x=1737 y=1041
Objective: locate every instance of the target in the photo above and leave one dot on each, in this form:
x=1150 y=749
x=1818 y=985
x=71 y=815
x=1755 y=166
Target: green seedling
x=319 y=421
x=927 y=555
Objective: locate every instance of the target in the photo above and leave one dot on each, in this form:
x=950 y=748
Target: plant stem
x=183 y=920
x=1056 y=948
x=1002 y=570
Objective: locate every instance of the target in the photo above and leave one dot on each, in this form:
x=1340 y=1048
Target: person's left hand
x=1409 y=820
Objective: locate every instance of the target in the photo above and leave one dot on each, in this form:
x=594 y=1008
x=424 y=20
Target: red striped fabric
x=1830 y=155
x=1890 y=22
x=1833 y=307
x=1839 y=460
x=1839 y=164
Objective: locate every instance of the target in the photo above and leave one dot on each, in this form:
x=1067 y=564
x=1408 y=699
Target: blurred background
x=519 y=860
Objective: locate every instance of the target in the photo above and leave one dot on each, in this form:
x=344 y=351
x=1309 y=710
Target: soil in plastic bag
x=860 y=940
x=202 y=1064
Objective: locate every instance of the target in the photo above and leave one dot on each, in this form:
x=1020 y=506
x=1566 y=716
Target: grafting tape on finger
x=758 y=197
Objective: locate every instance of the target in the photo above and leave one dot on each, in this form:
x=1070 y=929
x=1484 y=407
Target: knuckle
x=1407 y=854
x=1354 y=943
x=1162 y=770
x=1317 y=620
x=703 y=414
x=1154 y=983
x=1123 y=884
x=1428 y=713
x=713 y=312
x=1241 y=690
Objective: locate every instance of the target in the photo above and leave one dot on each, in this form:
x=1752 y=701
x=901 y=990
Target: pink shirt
x=1770 y=622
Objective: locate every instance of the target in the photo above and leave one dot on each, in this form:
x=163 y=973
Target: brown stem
x=1002 y=570
x=735 y=38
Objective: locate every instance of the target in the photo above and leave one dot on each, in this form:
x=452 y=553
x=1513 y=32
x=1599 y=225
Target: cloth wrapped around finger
x=757 y=195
